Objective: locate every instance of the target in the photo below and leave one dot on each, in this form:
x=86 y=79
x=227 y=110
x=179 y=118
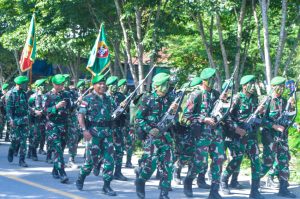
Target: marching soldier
x=208 y=138
x=157 y=145
x=56 y=126
x=18 y=116
x=3 y=119
x=95 y=121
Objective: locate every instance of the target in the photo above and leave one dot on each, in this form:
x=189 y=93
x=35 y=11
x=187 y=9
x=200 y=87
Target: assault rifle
x=217 y=113
x=122 y=107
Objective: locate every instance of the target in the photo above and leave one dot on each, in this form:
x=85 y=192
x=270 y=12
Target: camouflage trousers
x=240 y=146
x=36 y=131
x=229 y=144
x=73 y=135
x=277 y=149
x=158 y=151
x=99 y=147
x=184 y=148
x=129 y=140
x=18 y=137
x=56 y=139
x=2 y=124
x=118 y=137
x=210 y=142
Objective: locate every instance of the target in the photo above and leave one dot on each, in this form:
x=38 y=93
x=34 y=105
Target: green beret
x=121 y=82
x=98 y=78
x=195 y=81
x=21 y=80
x=80 y=83
x=226 y=83
x=39 y=82
x=58 y=79
x=5 y=86
x=277 y=80
x=31 y=99
x=207 y=73
x=247 y=78
x=160 y=78
x=66 y=76
x=111 y=80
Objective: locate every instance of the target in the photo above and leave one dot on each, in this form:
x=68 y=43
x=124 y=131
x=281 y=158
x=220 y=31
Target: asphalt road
x=36 y=182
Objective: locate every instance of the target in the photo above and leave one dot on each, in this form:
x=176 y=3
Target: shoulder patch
x=83 y=104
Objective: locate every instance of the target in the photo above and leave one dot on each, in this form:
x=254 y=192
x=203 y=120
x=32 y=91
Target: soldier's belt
x=100 y=124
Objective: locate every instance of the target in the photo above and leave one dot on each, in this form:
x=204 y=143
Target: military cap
x=160 y=78
x=121 y=82
x=247 y=78
x=21 y=80
x=207 y=73
x=195 y=81
x=226 y=83
x=5 y=86
x=39 y=82
x=277 y=80
x=58 y=79
x=98 y=78
x=80 y=83
x=111 y=80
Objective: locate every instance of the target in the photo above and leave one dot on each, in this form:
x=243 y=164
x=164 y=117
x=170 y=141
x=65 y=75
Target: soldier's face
x=100 y=88
x=250 y=87
x=24 y=86
x=279 y=89
x=209 y=82
x=58 y=87
x=113 y=88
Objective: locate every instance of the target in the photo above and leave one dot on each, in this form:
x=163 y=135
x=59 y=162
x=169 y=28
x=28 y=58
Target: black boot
x=214 y=192
x=140 y=188
x=157 y=176
x=63 y=176
x=159 y=186
x=188 y=187
x=118 y=175
x=55 y=174
x=270 y=182
x=22 y=162
x=224 y=184
x=254 y=193
x=128 y=162
x=10 y=156
x=177 y=175
x=283 y=191
x=29 y=152
x=234 y=181
x=7 y=137
x=80 y=181
x=107 y=190
x=164 y=193
x=34 y=154
x=201 y=182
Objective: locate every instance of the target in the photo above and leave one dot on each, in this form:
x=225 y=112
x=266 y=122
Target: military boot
x=201 y=182
x=10 y=156
x=128 y=162
x=34 y=154
x=270 y=182
x=157 y=176
x=80 y=181
x=224 y=184
x=254 y=193
x=234 y=181
x=164 y=193
x=22 y=162
x=63 y=176
x=188 y=187
x=118 y=174
x=107 y=190
x=16 y=152
x=7 y=137
x=29 y=152
x=214 y=192
x=55 y=174
x=283 y=191
x=159 y=186
x=140 y=188
x=177 y=175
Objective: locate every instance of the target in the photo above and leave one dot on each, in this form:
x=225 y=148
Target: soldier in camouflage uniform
x=2 y=112
x=157 y=145
x=275 y=137
x=95 y=121
x=56 y=110
x=244 y=104
x=17 y=114
x=35 y=102
x=119 y=126
x=208 y=138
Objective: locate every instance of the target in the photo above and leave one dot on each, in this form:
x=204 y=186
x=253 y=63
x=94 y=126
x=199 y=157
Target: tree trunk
x=291 y=55
x=262 y=56
x=282 y=37
x=239 y=39
x=117 y=63
x=266 y=42
x=127 y=43
x=211 y=32
x=223 y=50
x=17 y=61
x=140 y=46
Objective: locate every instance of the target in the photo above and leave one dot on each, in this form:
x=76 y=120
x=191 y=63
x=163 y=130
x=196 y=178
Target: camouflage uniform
x=18 y=112
x=97 y=113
